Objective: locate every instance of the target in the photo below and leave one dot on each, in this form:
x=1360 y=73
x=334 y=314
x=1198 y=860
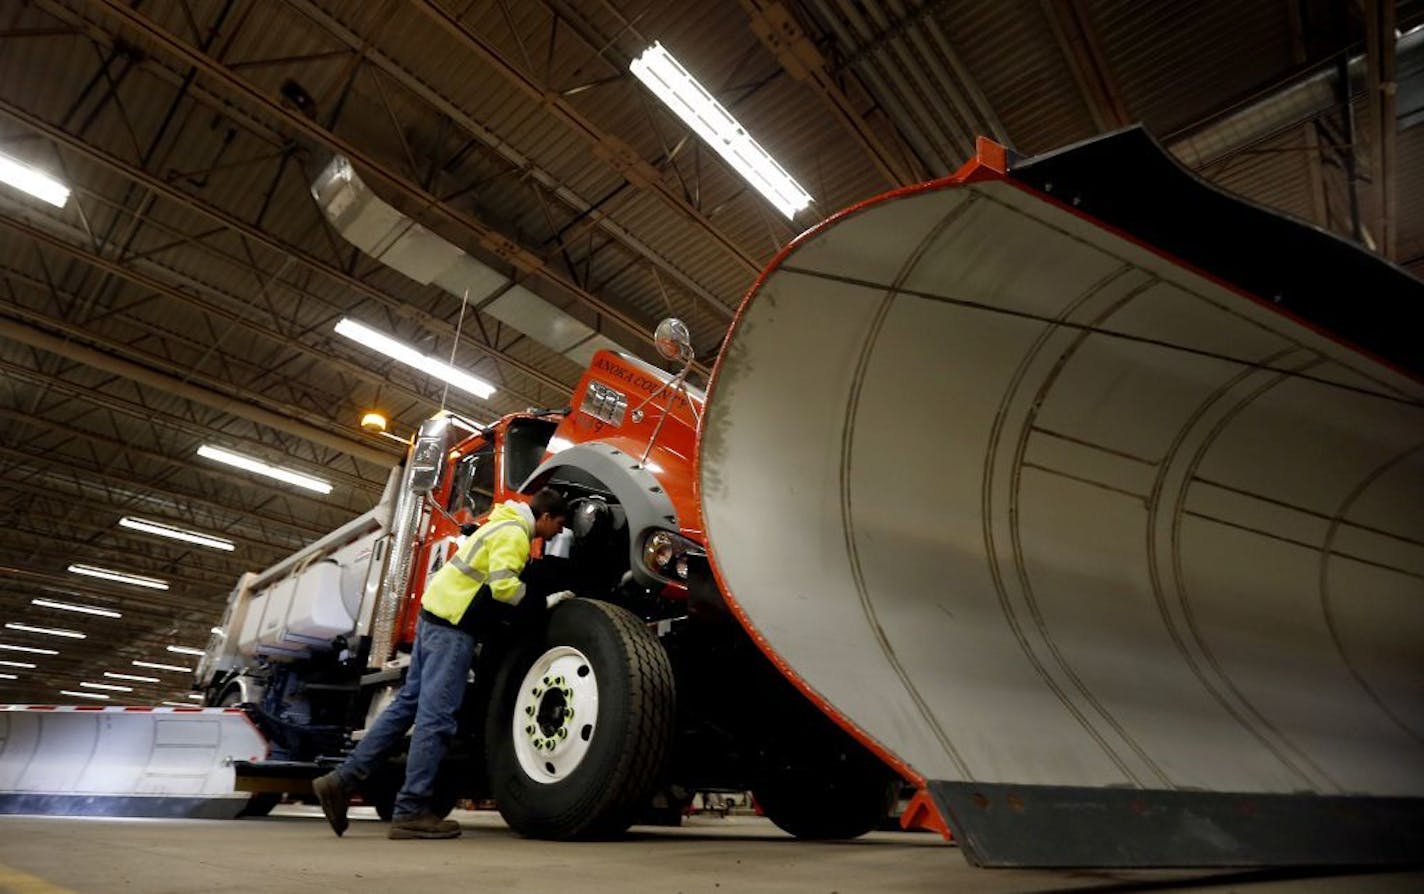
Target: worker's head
x=550 y=511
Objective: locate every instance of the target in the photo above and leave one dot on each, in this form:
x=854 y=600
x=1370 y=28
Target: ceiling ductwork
x=379 y=230
x=1299 y=102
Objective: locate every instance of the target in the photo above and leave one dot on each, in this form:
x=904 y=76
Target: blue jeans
x=434 y=688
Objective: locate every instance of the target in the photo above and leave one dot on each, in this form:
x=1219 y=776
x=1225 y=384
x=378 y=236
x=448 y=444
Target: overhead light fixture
x=376 y=424
x=47 y=631
x=33 y=650
x=109 y=686
x=8 y=677
x=98 y=695
x=164 y=530
x=71 y=607
x=162 y=667
x=177 y=704
x=135 y=580
x=690 y=101
x=195 y=696
x=186 y=650
x=207 y=451
x=33 y=181
x=134 y=677
x=402 y=353
x=25 y=664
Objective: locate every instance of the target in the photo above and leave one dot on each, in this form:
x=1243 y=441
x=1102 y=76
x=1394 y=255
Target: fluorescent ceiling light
x=164 y=530
x=16 y=664
x=31 y=649
x=176 y=704
x=690 y=101
x=84 y=694
x=33 y=181
x=109 y=686
x=134 y=677
x=309 y=482
x=185 y=650
x=136 y=580
x=195 y=696
x=217 y=631
x=8 y=677
x=47 y=631
x=402 y=353
x=163 y=667
x=82 y=609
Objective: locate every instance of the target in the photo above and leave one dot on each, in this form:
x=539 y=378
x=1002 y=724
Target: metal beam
x=402 y=309
x=353 y=368
x=616 y=153
x=1077 y=37
x=188 y=427
x=1319 y=207
x=177 y=496
x=251 y=546
x=525 y=166
x=1380 y=69
x=198 y=394
x=492 y=241
x=783 y=35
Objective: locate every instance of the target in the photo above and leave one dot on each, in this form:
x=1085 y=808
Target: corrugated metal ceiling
x=199 y=252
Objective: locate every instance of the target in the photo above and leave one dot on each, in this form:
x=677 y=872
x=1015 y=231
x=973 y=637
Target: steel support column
x=1380 y=69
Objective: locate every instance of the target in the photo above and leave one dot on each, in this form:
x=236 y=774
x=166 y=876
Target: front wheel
x=581 y=723
x=838 y=793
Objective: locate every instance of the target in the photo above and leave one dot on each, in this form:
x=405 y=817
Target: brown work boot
x=424 y=825
x=332 y=794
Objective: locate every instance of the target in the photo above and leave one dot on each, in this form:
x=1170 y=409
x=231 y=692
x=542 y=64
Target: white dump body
x=303 y=604
x=303 y=613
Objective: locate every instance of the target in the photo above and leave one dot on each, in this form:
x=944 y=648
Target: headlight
x=666 y=554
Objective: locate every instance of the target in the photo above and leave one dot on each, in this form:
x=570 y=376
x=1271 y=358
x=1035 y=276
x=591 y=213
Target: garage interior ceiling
x=187 y=292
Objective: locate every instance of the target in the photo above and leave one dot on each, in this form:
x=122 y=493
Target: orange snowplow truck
x=1068 y=492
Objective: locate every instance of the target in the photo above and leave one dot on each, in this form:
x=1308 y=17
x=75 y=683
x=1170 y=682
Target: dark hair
x=549 y=501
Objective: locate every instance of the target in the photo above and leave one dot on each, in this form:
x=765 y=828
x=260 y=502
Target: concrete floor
x=293 y=852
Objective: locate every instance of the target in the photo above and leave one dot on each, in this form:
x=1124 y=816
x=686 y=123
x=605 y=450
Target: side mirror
x=673 y=340
x=427 y=457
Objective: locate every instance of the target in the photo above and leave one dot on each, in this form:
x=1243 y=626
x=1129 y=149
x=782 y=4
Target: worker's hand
x=554 y=599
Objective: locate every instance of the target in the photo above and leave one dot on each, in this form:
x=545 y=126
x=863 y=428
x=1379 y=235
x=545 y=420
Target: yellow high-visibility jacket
x=494 y=555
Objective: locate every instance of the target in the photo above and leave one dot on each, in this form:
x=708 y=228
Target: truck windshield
x=524 y=445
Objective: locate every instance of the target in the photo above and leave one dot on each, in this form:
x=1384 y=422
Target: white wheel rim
x=555 y=714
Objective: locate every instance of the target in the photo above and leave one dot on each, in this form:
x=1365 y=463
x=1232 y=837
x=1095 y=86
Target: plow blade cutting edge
x=1098 y=501
x=124 y=761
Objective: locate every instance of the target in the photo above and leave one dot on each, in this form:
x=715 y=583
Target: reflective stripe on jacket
x=493 y=555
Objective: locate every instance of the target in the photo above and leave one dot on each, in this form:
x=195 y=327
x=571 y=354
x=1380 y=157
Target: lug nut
x=568 y=713
x=563 y=732
x=529 y=710
x=529 y=730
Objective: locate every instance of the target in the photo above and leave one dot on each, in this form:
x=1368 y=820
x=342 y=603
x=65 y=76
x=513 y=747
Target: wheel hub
x=554 y=714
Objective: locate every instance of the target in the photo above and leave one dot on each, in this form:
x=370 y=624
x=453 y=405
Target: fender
x=637 y=490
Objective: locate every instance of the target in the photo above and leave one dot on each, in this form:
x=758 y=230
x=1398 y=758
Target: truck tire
x=839 y=800
x=580 y=723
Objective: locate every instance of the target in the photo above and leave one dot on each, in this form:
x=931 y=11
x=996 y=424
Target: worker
x=461 y=604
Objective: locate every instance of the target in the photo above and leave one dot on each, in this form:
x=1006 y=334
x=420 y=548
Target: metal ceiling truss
x=526 y=261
